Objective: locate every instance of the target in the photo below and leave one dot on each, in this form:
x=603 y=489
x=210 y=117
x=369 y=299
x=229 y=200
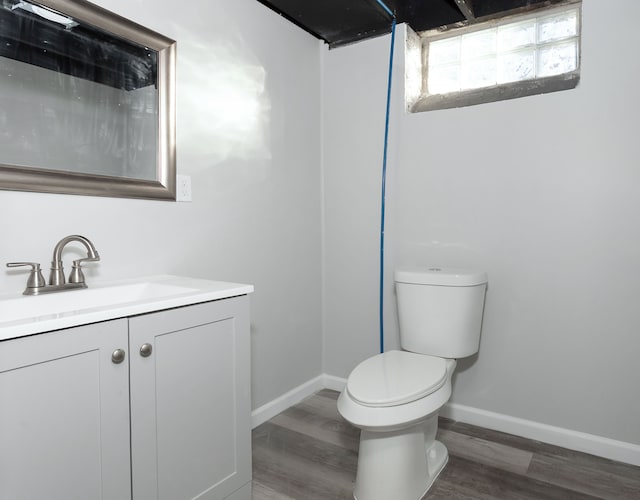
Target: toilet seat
x=396 y=377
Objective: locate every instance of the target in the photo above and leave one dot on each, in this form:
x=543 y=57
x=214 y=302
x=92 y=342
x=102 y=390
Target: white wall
x=248 y=134
x=542 y=192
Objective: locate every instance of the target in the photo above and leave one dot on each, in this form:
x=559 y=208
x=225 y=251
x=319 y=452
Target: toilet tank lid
x=443 y=276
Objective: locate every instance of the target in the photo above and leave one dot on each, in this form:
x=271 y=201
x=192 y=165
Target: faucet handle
x=76 y=275
x=35 y=280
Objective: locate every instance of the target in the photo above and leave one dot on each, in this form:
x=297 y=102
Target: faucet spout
x=56 y=277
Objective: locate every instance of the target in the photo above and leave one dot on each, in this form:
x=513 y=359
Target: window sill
x=502 y=92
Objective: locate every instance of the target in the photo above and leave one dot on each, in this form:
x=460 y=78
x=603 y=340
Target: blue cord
x=387 y=9
x=384 y=177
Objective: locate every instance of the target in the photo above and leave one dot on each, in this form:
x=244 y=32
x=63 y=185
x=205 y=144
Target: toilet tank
x=440 y=310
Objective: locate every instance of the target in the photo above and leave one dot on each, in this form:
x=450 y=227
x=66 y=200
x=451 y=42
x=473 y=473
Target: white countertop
x=22 y=315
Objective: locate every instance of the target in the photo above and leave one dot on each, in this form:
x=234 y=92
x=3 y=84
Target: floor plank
x=309 y=452
x=300 y=466
x=263 y=492
x=589 y=478
x=486 y=452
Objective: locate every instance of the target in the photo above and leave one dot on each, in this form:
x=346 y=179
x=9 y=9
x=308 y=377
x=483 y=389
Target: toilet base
x=401 y=464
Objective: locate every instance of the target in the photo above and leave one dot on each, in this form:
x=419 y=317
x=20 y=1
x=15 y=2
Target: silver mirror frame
x=15 y=178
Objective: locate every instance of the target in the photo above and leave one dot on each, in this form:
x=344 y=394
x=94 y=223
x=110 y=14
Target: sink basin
x=77 y=300
x=25 y=315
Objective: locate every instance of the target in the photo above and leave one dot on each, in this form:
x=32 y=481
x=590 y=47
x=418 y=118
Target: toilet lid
x=396 y=377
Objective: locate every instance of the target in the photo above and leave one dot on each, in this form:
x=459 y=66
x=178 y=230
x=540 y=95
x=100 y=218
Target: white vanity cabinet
x=64 y=415
x=190 y=402
x=171 y=421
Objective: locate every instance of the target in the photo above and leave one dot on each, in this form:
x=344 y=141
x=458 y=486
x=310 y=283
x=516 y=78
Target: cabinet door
x=64 y=415
x=190 y=401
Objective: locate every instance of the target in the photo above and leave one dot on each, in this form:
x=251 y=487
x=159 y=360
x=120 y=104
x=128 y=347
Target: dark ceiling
x=340 y=22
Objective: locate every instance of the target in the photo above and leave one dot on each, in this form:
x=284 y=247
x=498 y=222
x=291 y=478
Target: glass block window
x=503 y=57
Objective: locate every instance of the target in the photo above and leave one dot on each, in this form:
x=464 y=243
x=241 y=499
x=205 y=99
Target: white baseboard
x=559 y=436
x=566 y=438
x=291 y=398
x=334 y=383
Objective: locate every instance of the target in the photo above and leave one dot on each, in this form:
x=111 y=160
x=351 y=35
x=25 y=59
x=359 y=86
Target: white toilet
x=394 y=397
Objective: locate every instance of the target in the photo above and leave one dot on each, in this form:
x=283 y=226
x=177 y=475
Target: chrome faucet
x=56 y=276
x=36 y=283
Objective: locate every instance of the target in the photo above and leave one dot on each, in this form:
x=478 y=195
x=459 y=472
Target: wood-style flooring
x=309 y=452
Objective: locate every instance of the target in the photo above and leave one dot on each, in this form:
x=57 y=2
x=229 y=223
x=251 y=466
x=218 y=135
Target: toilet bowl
x=395 y=397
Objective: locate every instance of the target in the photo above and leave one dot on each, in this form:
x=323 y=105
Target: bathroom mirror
x=87 y=102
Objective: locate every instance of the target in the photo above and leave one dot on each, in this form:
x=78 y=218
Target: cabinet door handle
x=145 y=350
x=118 y=356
